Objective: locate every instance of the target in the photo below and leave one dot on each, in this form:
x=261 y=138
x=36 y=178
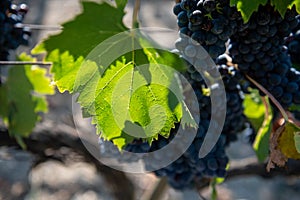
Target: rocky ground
x=79 y=180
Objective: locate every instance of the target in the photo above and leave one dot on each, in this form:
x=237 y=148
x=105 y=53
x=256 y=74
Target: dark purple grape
x=23 y=8
x=177 y=9
x=209 y=5
x=182 y=17
x=196 y=18
x=11 y=35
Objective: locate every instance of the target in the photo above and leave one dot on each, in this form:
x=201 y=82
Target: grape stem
x=273 y=99
x=24 y=63
x=135 y=21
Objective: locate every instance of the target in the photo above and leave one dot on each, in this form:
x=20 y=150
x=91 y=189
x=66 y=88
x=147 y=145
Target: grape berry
x=293 y=44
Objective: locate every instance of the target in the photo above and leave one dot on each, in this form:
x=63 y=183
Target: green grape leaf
x=261 y=143
x=68 y=49
x=92 y=70
x=41 y=104
x=79 y=36
x=22 y=97
x=261 y=121
x=253 y=102
x=21 y=116
x=247 y=7
x=126 y=96
x=37 y=77
x=121 y=4
x=128 y=104
x=64 y=70
x=165 y=58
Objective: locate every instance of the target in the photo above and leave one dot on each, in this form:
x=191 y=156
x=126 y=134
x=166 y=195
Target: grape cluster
x=209 y=23
x=293 y=44
x=12 y=33
x=259 y=52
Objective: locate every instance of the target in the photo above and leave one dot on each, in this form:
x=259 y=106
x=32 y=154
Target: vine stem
x=273 y=99
x=136 y=9
x=39 y=27
x=24 y=63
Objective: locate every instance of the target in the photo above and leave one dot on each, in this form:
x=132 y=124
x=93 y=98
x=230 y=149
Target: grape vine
x=255 y=49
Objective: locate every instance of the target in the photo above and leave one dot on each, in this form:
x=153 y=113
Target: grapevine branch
x=273 y=99
x=250 y=167
x=52 y=136
x=47 y=136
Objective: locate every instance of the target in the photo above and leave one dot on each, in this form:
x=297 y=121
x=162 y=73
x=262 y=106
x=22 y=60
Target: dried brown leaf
x=276 y=156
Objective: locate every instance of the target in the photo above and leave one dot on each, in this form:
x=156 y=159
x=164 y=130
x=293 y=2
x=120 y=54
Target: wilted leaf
x=283 y=144
x=276 y=156
x=286 y=141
